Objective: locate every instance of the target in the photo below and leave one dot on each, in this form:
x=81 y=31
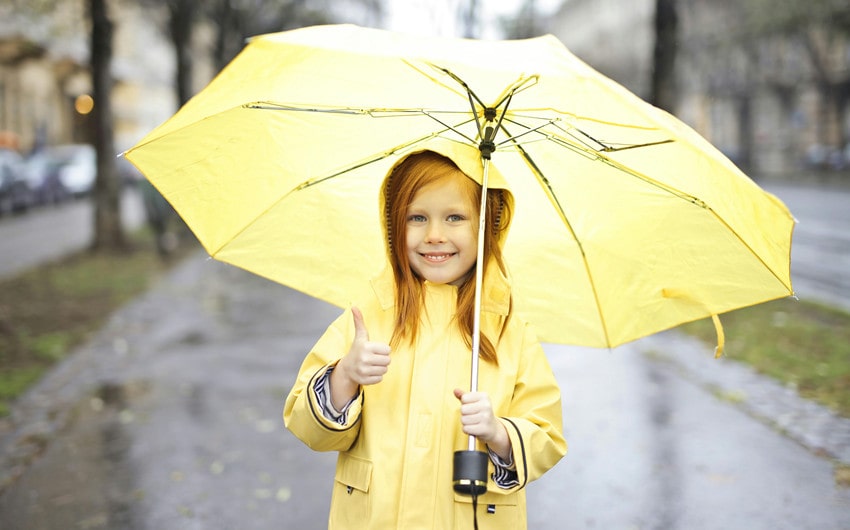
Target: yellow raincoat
x=395 y=450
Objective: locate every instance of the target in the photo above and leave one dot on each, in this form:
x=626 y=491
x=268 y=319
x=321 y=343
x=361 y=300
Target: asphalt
x=169 y=417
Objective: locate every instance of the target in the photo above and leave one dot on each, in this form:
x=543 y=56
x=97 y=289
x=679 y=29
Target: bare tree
x=525 y=24
x=108 y=231
x=235 y=21
x=180 y=25
x=469 y=17
x=817 y=30
x=664 y=92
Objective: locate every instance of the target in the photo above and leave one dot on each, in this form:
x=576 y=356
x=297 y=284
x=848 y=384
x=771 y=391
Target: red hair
x=407 y=178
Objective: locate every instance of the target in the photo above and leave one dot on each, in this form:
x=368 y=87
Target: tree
x=180 y=24
x=663 y=85
x=525 y=24
x=108 y=231
x=469 y=17
x=235 y=21
x=793 y=45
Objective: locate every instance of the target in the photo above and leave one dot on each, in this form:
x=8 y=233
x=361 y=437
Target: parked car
x=15 y=194
x=42 y=172
x=76 y=167
x=57 y=172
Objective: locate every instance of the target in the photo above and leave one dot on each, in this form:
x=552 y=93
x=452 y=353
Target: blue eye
x=416 y=218
x=455 y=218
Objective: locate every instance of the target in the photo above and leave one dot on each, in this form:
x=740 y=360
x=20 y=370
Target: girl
x=393 y=405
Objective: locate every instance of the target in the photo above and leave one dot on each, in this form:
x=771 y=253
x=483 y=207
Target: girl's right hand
x=366 y=362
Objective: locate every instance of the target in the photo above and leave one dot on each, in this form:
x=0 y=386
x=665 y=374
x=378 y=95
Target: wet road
x=175 y=423
x=51 y=232
x=820 y=254
x=170 y=419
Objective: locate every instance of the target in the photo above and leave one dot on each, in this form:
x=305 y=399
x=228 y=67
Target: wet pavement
x=53 y=231
x=170 y=419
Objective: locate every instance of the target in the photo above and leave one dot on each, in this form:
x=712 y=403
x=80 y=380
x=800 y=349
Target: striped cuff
x=322 y=388
x=505 y=475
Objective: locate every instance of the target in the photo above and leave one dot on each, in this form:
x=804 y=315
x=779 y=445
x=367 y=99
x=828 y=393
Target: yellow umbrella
x=627 y=222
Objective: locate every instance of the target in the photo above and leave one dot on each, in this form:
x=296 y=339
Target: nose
x=435 y=233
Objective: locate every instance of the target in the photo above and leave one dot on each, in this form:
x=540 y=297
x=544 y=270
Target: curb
x=810 y=424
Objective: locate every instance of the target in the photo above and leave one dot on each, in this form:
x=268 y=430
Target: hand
x=366 y=362
x=478 y=419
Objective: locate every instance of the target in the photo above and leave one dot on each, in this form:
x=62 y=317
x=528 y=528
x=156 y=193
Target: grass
x=46 y=311
x=802 y=344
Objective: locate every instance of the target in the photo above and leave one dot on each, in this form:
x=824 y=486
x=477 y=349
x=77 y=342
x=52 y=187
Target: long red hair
x=414 y=172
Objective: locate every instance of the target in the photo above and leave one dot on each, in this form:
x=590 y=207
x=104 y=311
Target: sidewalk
x=170 y=418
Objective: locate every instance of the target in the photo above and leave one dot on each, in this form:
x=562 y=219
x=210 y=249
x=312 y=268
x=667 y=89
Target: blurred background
x=83 y=236
x=767 y=82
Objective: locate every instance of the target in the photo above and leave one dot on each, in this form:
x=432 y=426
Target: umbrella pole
x=479 y=282
x=470 y=466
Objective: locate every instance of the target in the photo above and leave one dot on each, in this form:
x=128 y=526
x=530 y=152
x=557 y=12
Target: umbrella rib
x=588 y=149
x=700 y=204
x=554 y=199
x=362 y=163
x=673 y=191
x=315 y=181
x=608 y=148
x=373 y=112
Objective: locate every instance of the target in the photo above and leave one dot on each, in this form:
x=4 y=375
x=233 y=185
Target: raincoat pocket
x=350 y=502
x=494 y=511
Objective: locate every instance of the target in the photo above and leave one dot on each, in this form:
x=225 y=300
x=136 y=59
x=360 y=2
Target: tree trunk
x=180 y=25
x=108 y=232
x=745 y=132
x=470 y=20
x=664 y=56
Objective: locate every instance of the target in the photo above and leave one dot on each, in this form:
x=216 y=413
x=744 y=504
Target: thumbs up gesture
x=366 y=361
x=364 y=364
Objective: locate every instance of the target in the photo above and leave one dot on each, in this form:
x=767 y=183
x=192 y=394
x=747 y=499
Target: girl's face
x=441 y=236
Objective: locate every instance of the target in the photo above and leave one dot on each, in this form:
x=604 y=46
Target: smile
x=434 y=257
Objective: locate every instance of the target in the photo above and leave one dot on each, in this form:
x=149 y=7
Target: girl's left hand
x=477 y=418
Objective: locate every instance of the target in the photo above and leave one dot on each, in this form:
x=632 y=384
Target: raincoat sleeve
x=534 y=422
x=303 y=414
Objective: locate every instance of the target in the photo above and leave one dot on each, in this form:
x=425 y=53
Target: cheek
x=411 y=237
x=472 y=236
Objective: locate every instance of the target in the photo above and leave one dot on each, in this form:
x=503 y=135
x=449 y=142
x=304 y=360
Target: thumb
x=459 y=393
x=360 y=331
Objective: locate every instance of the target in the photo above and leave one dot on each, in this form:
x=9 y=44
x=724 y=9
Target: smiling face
x=440 y=230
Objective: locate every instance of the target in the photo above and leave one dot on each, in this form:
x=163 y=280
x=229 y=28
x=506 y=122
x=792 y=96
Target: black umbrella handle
x=470 y=467
x=470 y=472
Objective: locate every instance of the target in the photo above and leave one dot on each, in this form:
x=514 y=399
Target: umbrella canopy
x=626 y=221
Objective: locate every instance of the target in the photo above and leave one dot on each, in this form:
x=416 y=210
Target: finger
x=377 y=359
x=372 y=371
x=471 y=397
x=360 y=331
x=458 y=394
x=378 y=348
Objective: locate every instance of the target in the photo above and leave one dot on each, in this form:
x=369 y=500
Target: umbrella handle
x=479 y=280
x=470 y=467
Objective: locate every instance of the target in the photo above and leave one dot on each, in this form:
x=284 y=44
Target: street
x=170 y=419
x=52 y=232
x=820 y=254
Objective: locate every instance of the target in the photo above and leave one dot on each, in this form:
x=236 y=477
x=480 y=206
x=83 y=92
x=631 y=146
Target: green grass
x=802 y=344
x=46 y=311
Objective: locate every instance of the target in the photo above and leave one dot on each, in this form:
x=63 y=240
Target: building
x=776 y=102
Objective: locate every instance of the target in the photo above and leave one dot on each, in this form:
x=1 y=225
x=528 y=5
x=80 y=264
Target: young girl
x=383 y=385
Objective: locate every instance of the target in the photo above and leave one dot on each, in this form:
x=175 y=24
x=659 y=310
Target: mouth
x=437 y=257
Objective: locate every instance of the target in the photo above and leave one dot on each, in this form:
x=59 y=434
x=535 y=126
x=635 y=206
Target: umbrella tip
x=487 y=145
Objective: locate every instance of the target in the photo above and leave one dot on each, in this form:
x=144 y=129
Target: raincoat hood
x=466 y=158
